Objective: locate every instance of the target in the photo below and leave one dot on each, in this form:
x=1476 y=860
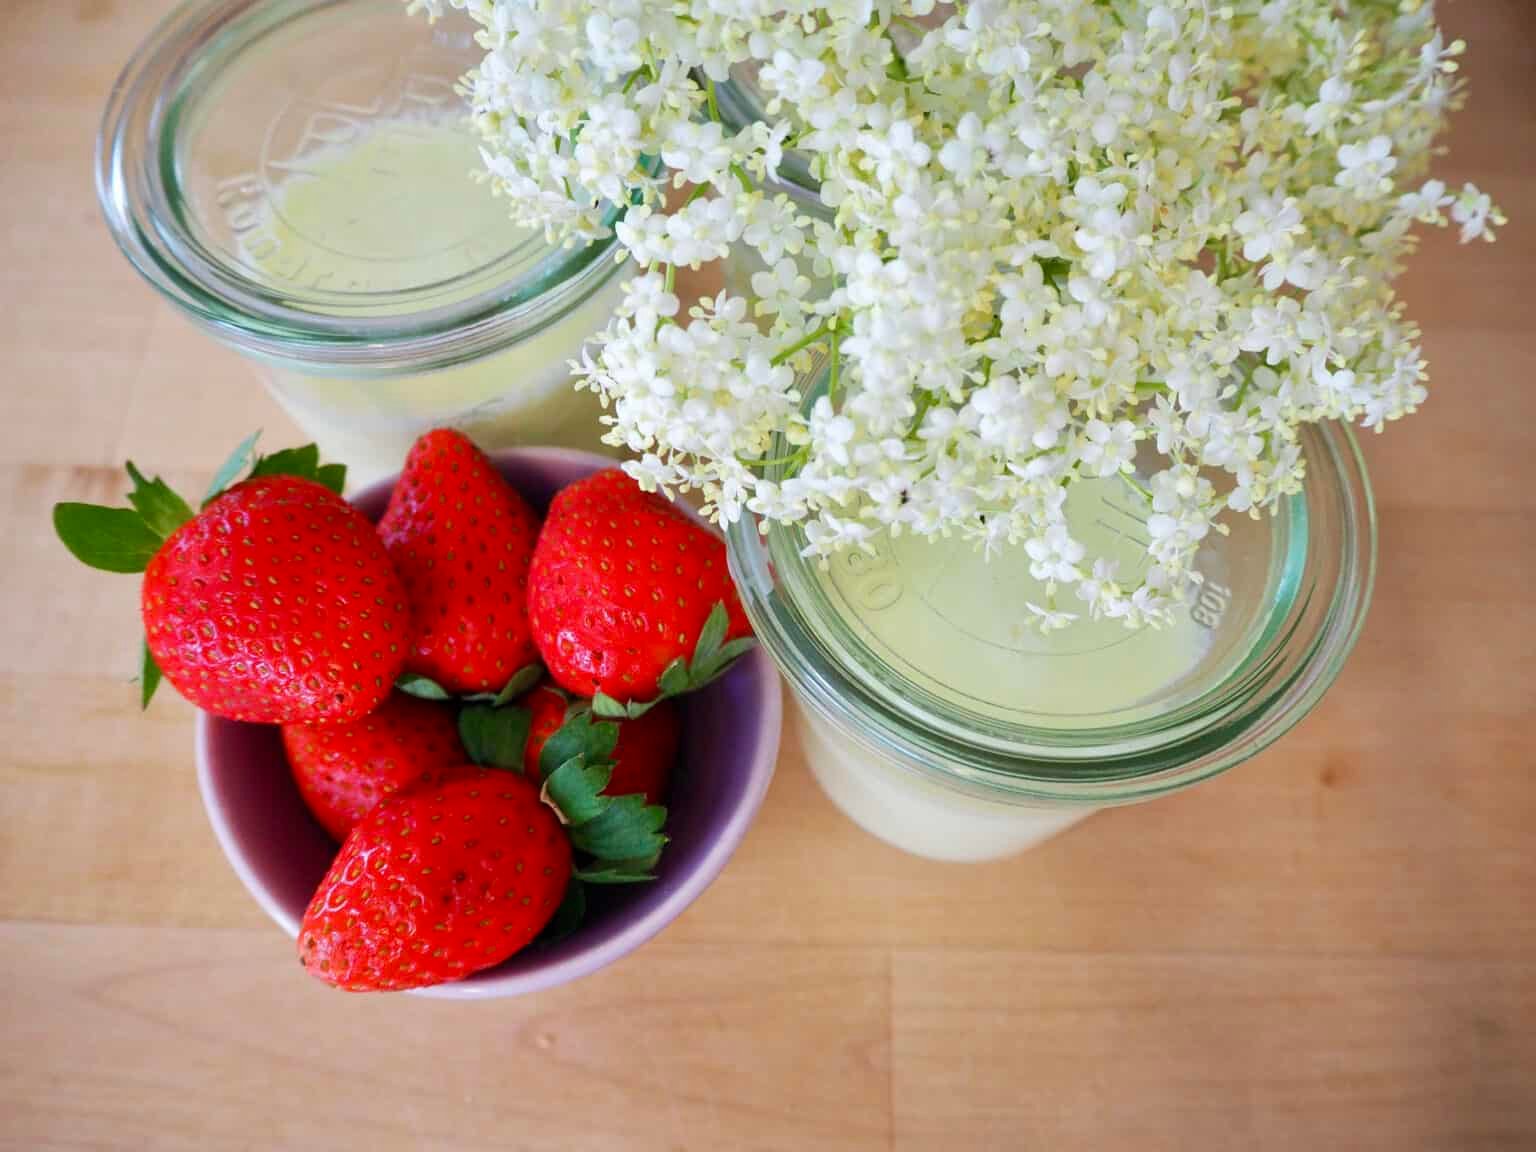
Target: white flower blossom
x=1332 y=99
x=1427 y=204
x=697 y=152
x=1366 y=168
x=1108 y=448
x=1054 y=555
x=1064 y=242
x=1474 y=211
x=1049 y=619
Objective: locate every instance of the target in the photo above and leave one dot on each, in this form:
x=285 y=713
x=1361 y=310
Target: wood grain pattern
x=1330 y=947
x=1212 y=1051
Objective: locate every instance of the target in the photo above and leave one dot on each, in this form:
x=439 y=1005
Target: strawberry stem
x=711 y=660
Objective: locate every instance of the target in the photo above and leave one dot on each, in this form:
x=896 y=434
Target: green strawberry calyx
x=712 y=659
x=618 y=839
x=526 y=677
x=124 y=540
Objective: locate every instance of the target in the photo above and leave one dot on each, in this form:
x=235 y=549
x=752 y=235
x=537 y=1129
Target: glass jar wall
x=297 y=176
x=939 y=720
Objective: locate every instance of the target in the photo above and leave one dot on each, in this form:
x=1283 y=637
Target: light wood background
x=1332 y=947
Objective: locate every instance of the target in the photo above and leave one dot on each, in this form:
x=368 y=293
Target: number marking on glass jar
x=873 y=579
x=1210 y=604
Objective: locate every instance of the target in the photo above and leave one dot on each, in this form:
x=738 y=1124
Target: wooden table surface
x=1331 y=947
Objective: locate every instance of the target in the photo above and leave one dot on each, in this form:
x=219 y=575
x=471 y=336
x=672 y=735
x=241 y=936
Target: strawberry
x=463 y=868
x=343 y=770
x=443 y=879
x=621 y=589
x=275 y=603
x=642 y=757
x=461 y=538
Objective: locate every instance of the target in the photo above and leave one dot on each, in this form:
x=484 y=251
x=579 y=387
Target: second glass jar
x=298 y=177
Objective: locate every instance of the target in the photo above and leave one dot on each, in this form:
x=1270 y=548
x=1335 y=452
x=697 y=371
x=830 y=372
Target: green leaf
x=711 y=659
x=636 y=871
x=720 y=663
x=568 y=916
x=232 y=467
x=674 y=679
x=495 y=737
x=162 y=509
x=333 y=476
x=423 y=686
x=576 y=789
x=712 y=635
x=580 y=736
x=112 y=539
x=609 y=708
x=302 y=462
x=149 y=677
x=522 y=680
x=627 y=828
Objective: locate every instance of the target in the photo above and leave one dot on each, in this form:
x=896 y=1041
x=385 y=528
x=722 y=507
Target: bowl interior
x=729 y=745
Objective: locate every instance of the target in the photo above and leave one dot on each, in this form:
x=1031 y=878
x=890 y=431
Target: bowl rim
x=763 y=761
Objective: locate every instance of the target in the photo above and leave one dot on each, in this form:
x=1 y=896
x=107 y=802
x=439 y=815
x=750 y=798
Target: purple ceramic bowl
x=730 y=744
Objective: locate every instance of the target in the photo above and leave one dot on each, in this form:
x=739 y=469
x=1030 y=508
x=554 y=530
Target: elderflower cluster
x=1062 y=240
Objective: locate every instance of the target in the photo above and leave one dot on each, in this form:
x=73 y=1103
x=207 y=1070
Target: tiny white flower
x=1268 y=227
x=1428 y=203
x=1108 y=448
x=781 y=289
x=1331 y=98
x=1366 y=168
x=698 y=153
x=1055 y=238
x=1054 y=555
x=1474 y=211
x=1049 y=619
x=965 y=151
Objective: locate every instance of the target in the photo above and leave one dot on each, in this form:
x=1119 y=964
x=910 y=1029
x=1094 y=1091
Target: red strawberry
x=276 y=604
x=445 y=878
x=343 y=770
x=461 y=539
x=546 y=712
x=621 y=586
x=642 y=758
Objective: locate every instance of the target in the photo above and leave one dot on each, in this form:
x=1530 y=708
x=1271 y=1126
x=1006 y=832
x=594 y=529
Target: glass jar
x=297 y=177
x=939 y=721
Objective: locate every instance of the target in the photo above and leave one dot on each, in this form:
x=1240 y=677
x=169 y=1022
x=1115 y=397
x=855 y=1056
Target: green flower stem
x=898 y=69
x=924 y=402
x=833 y=391
x=1145 y=494
x=986 y=361
x=797 y=457
x=804 y=342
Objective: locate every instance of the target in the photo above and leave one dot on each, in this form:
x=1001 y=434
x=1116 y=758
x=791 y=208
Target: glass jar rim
x=1293 y=664
x=138 y=192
